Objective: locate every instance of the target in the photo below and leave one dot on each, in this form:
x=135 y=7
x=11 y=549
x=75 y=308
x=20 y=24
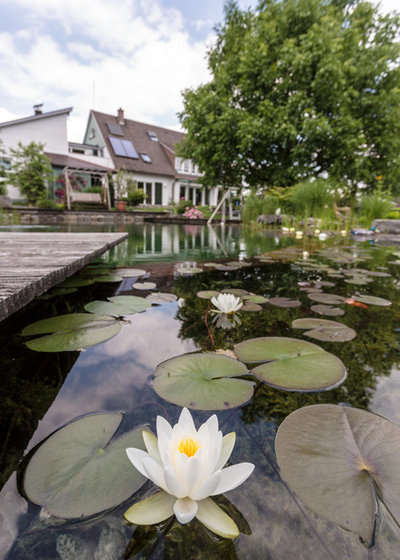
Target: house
x=148 y=153
x=50 y=129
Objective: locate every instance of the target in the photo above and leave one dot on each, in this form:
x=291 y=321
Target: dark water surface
x=42 y=391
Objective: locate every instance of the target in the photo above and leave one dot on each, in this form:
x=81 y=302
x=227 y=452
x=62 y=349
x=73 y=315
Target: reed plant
x=374 y=206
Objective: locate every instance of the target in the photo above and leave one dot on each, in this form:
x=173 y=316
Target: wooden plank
x=31 y=263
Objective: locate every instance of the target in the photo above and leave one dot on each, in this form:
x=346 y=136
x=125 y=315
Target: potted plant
x=121 y=182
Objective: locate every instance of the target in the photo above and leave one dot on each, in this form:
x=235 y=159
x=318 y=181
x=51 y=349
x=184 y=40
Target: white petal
x=216 y=520
x=155 y=509
x=163 y=427
x=185 y=510
x=136 y=457
x=173 y=485
x=191 y=474
x=214 y=301
x=228 y=443
x=232 y=477
x=207 y=488
x=154 y=471
x=151 y=443
x=210 y=427
x=164 y=433
x=186 y=421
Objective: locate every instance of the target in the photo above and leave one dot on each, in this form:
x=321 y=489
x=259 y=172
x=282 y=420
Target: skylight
x=152 y=135
x=123 y=148
x=115 y=129
x=145 y=157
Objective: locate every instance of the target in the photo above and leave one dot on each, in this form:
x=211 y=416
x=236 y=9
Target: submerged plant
x=187 y=464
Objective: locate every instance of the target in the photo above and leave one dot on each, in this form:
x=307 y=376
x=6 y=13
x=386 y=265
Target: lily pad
x=358 y=280
x=335 y=458
x=322 y=329
x=327 y=310
x=207 y=294
x=372 y=300
x=203 y=381
x=71 y=332
x=78 y=472
x=250 y=306
x=293 y=365
x=186 y=271
x=161 y=298
x=119 y=306
x=255 y=299
x=144 y=286
x=235 y=291
x=285 y=302
x=328 y=299
x=108 y=278
x=76 y=282
x=131 y=272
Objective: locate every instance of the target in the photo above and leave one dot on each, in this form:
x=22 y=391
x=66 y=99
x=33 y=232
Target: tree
x=30 y=171
x=3 y=189
x=299 y=88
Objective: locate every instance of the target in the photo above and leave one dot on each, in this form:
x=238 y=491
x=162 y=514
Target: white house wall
x=50 y=131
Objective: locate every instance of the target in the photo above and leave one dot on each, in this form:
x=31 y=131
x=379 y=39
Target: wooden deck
x=31 y=263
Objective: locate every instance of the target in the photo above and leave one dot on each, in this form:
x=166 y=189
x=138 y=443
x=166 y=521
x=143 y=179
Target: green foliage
x=299 y=87
x=47 y=204
x=123 y=183
x=312 y=198
x=373 y=207
x=182 y=204
x=136 y=196
x=30 y=171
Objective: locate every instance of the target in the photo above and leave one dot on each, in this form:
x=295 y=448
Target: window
x=115 y=129
x=92 y=134
x=152 y=135
x=78 y=151
x=123 y=148
x=185 y=166
x=146 y=158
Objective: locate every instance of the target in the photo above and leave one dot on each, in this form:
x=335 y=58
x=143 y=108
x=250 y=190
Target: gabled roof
x=37 y=116
x=61 y=160
x=161 y=152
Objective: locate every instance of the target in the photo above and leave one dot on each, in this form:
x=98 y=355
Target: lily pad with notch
x=207 y=294
x=253 y=298
x=372 y=300
x=322 y=329
x=119 y=306
x=292 y=364
x=79 y=470
x=70 y=332
x=203 y=381
x=340 y=461
x=328 y=299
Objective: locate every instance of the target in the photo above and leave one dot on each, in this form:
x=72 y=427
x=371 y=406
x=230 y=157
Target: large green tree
x=298 y=88
x=30 y=171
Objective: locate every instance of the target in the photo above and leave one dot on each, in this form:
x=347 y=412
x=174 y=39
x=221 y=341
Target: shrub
x=30 y=171
x=182 y=205
x=252 y=208
x=46 y=204
x=394 y=215
x=374 y=206
x=136 y=196
x=312 y=198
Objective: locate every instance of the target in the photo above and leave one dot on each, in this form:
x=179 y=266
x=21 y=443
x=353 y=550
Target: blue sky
x=105 y=54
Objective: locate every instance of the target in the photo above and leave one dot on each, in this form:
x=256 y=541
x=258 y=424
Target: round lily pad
x=108 y=278
x=203 y=381
x=378 y=274
x=131 y=272
x=207 y=294
x=372 y=300
x=227 y=267
x=336 y=459
x=250 y=306
x=293 y=365
x=71 y=332
x=186 y=271
x=118 y=306
x=235 y=291
x=322 y=329
x=358 y=280
x=78 y=472
x=284 y=302
x=144 y=286
x=255 y=299
x=76 y=282
x=328 y=299
x=160 y=298
x=327 y=310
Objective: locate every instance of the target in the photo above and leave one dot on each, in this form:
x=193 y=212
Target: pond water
x=42 y=391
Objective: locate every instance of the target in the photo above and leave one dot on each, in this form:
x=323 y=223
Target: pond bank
x=31 y=263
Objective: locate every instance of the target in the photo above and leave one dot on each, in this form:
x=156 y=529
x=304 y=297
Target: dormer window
x=185 y=165
x=145 y=157
x=152 y=135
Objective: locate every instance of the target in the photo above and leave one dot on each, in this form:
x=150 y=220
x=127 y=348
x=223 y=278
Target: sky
x=105 y=54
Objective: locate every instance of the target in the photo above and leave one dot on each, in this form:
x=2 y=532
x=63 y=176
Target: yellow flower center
x=188 y=446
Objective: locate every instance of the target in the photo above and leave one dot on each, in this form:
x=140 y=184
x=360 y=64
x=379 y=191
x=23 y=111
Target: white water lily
x=187 y=464
x=226 y=303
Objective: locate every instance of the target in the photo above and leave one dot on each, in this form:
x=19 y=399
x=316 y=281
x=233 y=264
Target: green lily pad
x=108 y=278
x=76 y=282
x=328 y=299
x=207 y=294
x=322 y=329
x=131 y=272
x=78 y=472
x=372 y=300
x=284 y=302
x=358 y=280
x=144 y=286
x=161 y=298
x=336 y=459
x=203 y=381
x=252 y=298
x=250 y=306
x=186 y=271
x=119 y=306
x=235 y=292
x=71 y=332
x=327 y=310
x=293 y=365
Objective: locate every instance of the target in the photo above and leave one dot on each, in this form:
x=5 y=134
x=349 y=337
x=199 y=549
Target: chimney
x=38 y=108
x=120 y=117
